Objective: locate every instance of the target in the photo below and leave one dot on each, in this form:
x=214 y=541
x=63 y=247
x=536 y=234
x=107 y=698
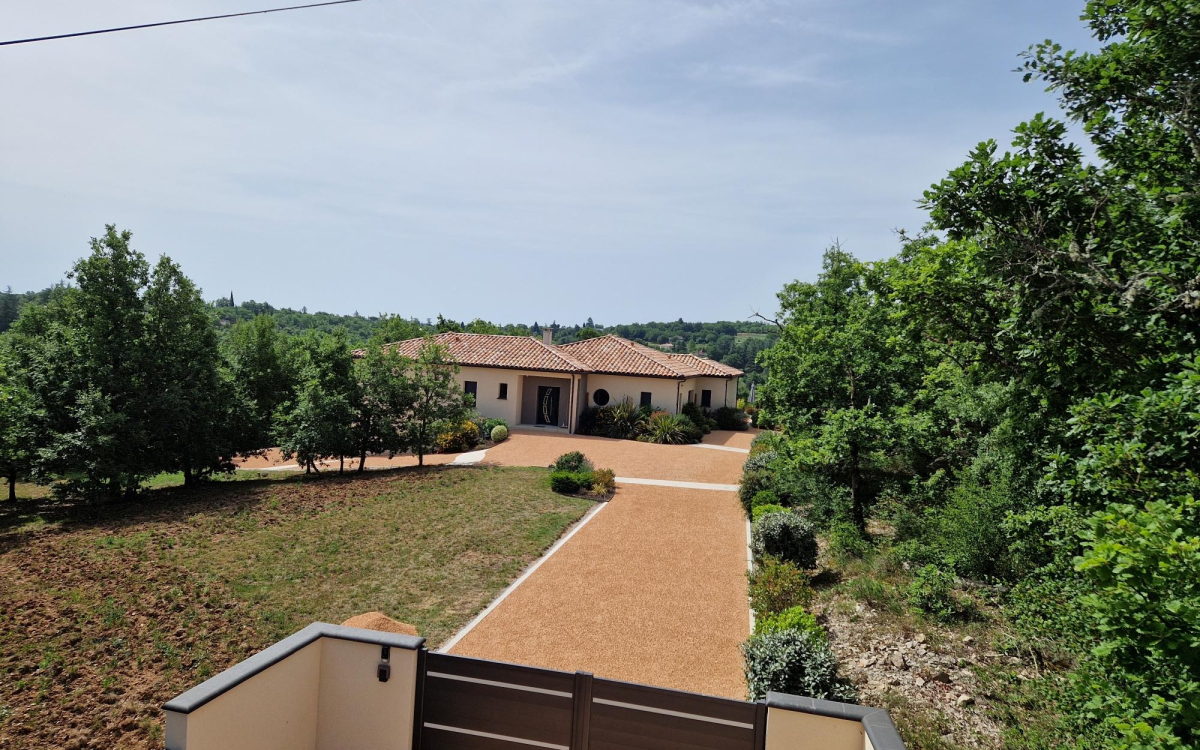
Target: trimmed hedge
x=570 y=482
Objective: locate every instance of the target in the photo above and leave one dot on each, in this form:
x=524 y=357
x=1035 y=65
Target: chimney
x=547 y=335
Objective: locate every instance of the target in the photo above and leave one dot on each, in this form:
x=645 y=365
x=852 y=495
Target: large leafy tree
x=18 y=424
x=317 y=425
x=438 y=399
x=262 y=367
x=190 y=404
x=838 y=372
x=384 y=397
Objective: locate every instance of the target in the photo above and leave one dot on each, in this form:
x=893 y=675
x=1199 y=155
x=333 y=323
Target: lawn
x=108 y=612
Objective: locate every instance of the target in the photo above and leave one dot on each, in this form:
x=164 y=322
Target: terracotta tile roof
x=617 y=356
x=611 y=355
x=706 y=366
x=489 y=350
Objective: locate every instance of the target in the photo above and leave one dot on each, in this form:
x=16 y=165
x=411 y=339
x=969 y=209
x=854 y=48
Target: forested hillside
x=1014 y=399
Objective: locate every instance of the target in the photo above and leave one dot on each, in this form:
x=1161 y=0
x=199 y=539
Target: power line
x=172 y=23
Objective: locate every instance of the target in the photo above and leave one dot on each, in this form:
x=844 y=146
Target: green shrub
x=590 y=421
x=846 y=542
x=753 y=483
x=729 y=418
x=457 y=438
x=604 y=482
x=760 y=461
x=786 y=536
x=572 y=462
x=693 y=412
x=668 y=429
x=767 y=441
x=931 y=592
x=776 y=586
x=492 y=423
x=758 y=511
x=823 y=500
x=499 y=433
x=765 y=497
x=570 y=482
x=794 y=618
x=793 y=661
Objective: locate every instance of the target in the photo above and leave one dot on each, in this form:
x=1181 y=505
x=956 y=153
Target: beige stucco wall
x=487 y=399
x=794 y=730
x=724 y=392
x=355 y=709
x=326 y=696
x=274 y=710
x=662 y=390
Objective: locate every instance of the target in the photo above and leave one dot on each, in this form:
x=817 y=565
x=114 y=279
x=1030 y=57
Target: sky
x=625 y=160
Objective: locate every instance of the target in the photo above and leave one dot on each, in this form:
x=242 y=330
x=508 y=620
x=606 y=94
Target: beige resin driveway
x=651 y=589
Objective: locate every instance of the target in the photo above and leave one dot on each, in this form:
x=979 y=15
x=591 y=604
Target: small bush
x=604 y=482
x=572 y=462
x=590 y=421
x=760 y=461
x=692 y=411
x=795 y=618
x=499 y=433
x=764 y=497
x=622 y=420
x=776 y=586
x=491 y=424
x=753 y=482
x=793 y=661
x=767 y=441
x=458 y=438
x=729 y=418
x=846 y=542
x=931 y=592
x=758 y=511
x=787 y=536
x=874 y=592
x=570 y=482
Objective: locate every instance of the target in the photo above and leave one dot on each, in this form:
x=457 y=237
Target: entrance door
x=547 y=409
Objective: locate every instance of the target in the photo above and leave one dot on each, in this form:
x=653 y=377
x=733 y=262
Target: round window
x=600 y=397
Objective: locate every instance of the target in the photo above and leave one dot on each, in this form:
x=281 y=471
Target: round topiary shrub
x=798 y=662
x=753 y=482
x=758 y=511
x=785 y=536
x=499 y=433
x=793 y=618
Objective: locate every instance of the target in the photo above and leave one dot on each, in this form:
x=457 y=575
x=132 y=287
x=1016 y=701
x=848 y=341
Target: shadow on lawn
x=27 y=518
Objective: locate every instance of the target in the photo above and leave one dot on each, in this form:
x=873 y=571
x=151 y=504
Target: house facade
x=527 y=381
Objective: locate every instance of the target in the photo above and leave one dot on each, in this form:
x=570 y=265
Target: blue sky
x=626 y=160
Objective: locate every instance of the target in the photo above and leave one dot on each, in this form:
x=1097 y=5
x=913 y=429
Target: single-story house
x=524 y=380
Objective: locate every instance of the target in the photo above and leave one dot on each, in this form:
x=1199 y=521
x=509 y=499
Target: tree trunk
x=362 y=461
x=856 y=500
x=313 y=466
x=341 y=464
x=12 y=485
x=420 y=457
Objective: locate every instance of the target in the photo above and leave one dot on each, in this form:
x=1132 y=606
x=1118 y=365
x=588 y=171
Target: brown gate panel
x=638 y=717
x=473 y=704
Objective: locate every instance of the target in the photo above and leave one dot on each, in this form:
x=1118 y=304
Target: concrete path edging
x=712 y=447
x=682 y=485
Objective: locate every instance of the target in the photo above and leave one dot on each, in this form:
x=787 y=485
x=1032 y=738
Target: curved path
x=651 y=589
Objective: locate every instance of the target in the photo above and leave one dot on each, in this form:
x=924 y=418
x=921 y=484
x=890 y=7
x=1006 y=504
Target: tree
x=587 y=333
x=18 y=426
x=384 y=396
x=318 y=424
x=262 y=367
x=445 y=325
x=189 y=405
x=438 y=399
x=393 y=328
x=837 y=373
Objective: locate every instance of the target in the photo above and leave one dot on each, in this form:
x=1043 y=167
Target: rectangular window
x=472 y=388
x=691 y=397
x=645 y=398
x=503 y=391
x=706 y=399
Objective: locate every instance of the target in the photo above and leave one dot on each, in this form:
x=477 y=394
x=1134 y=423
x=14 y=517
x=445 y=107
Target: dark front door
x=547 y=405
